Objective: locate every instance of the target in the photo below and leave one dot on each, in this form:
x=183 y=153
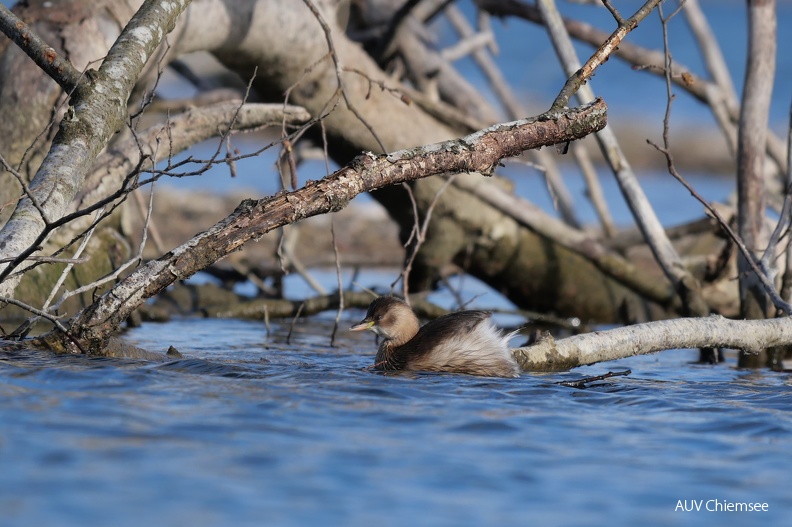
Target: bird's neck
x=403 y=328
x=388 y=356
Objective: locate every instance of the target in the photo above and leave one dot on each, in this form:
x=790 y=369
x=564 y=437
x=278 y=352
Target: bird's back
x=462 y=342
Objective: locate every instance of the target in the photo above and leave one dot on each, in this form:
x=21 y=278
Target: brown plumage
x=462 y=342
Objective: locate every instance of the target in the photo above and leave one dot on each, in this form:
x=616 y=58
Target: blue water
x=252 y=431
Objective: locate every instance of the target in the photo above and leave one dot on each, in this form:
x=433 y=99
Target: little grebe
x=462 y=342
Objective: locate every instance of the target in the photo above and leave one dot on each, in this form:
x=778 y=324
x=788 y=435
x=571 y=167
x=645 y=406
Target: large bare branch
x=705 y=332
x=98 y=111
x=481 y=152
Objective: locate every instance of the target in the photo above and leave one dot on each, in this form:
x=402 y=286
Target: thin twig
x=50 y=259
x=52 y=318
x=581 y=383
x=614 y=12
x=116 y=273
x=781 y=228
x=152 y=228
x=339 y=73
x=421 y=235
x=69 y=267
x=340 y=284
x=293 y=322
x=148 y=95
x=767 y=284
x=25 y=187
x=602 y=54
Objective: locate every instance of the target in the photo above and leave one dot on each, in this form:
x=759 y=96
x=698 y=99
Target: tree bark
x=751 y=336
x=98 y=111
x=82 y=32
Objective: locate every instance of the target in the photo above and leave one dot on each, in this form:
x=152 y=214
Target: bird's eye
x=378 y=318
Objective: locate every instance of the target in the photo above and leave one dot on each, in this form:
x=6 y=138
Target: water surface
x=250 y=430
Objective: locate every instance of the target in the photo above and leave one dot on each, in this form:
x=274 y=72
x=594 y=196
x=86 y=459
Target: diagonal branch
x=580 y=77
x=57 y=67
x=481 y=152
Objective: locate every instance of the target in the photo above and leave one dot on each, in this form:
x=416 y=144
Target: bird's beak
x=362 y=326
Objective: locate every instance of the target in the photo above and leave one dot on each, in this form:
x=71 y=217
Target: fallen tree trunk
x=97 y=113
x=283 y=42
